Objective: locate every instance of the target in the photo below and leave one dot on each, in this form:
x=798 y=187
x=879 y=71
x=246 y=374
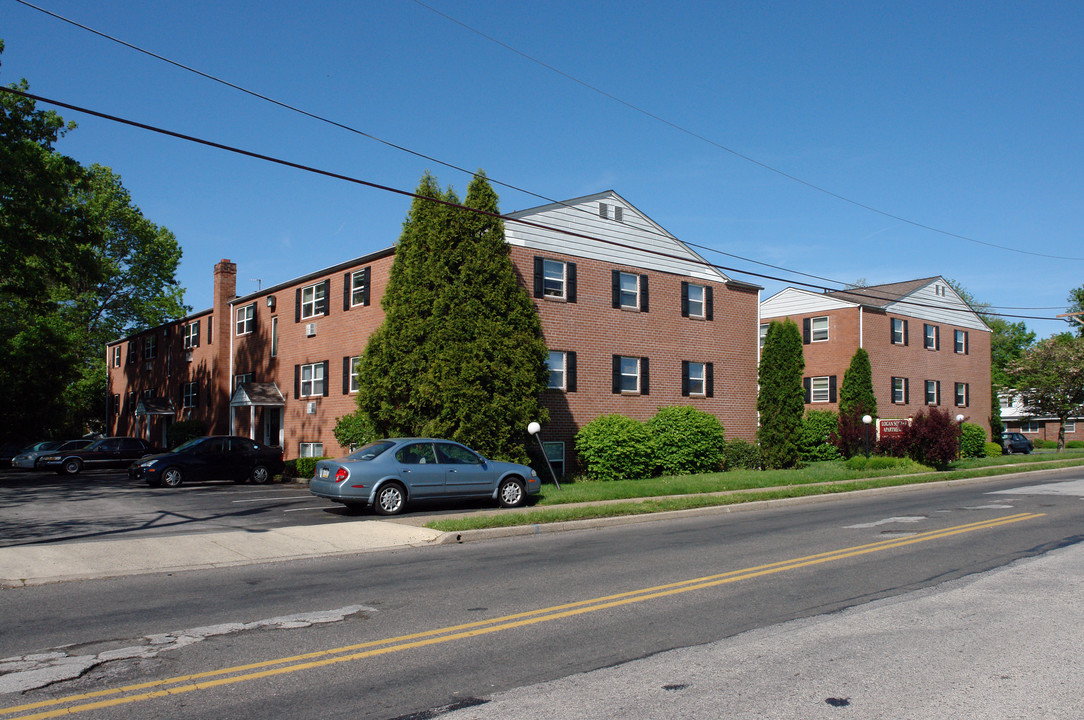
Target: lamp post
x=866 y=420
x=534 y=428
x=959 y=418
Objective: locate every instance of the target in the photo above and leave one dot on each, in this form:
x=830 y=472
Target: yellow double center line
x=282 y=666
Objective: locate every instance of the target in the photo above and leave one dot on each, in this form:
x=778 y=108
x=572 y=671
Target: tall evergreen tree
x=781 y=399
x=856 y=399
x=460 y=354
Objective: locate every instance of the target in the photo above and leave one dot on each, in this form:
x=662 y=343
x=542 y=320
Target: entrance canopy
x=256 y=394
x=155 y=406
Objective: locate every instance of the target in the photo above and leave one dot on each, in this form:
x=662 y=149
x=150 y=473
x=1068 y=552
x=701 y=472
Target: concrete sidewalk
x=40 y=564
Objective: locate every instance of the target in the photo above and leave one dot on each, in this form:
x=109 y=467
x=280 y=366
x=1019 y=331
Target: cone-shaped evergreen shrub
x=781 y=402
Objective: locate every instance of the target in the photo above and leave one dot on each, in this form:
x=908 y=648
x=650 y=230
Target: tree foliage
x=933 y=438
x=1076 y=305
x=79 y=266
x=1049 y=378
x=460 y=353
x=856 y=399
x=818 y=426
x=687 y=440
x=781 y=401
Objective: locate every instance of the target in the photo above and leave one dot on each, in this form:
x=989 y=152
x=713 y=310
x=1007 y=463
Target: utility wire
x=732 y=151
x=523 y=190
x=504 y=218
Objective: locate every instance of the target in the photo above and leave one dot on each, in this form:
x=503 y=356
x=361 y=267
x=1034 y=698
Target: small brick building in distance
x=634 y=321
x=927 y=347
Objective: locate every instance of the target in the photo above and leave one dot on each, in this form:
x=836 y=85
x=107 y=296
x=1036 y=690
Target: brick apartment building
x=1016 y=418
x=927 y=347
x=633 y=318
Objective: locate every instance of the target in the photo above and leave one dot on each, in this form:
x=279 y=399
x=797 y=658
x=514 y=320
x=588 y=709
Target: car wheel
x=72 y=466
x=390 y=499
x=512 y=493
x=172 y=477
x=1008 y=449
x=260 y=475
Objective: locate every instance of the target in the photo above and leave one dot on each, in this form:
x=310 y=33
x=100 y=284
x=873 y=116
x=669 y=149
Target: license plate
x=324 y=472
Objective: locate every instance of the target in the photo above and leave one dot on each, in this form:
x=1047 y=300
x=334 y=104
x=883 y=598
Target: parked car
x=1015 y=442
x=110 y=452
x=388 y=474
x=30 y=457
x=219 y=457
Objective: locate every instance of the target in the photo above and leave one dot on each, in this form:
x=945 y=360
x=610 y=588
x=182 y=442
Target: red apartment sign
x=892 y=427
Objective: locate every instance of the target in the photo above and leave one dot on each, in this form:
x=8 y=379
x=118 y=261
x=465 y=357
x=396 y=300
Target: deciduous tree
x=1049 y=377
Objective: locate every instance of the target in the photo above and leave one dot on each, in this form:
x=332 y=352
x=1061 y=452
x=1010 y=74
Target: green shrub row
x=993 y=449
x=678 y=440
x=302 y=468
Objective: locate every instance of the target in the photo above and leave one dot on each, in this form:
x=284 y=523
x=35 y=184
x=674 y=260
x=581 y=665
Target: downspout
x=860 y=326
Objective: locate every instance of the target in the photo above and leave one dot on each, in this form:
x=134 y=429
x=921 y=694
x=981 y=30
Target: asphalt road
x=399 y=634
x=43 y=507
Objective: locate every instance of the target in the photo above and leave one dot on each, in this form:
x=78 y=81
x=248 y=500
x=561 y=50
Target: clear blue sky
x=965 y=117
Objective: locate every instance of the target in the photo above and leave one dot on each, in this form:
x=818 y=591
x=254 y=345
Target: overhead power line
x=593 y=88
x=505 y=218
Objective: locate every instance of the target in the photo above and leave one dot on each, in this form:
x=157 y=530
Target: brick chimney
x=225 y=291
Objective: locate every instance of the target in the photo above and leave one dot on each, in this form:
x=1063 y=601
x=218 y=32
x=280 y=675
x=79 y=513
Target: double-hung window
x=960 y=344
x=554 y=279
x=814 y=330
x=352 y=366
x=962 y=393
x=933 y=392
x=630 y=375
x=246 y=319
x=819 y=389
x=696 y=379
x=239 y=380
x=312 y=380
x=899 y=391
x=359 y=287
x=116 y=356
x=191 y=335
x=150 y=347
x=1030 y=426
x=190 y=395
x=931 y=337
x=313 y=300
x=696 y=301
x=899 y=331
x=562 y=368
x=629 y=291
x=763 y=335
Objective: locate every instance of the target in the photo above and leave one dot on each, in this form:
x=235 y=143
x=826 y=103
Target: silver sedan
x=387 y=474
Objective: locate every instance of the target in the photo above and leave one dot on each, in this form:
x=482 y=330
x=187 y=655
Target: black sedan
x=219 y=457
x=111 y=452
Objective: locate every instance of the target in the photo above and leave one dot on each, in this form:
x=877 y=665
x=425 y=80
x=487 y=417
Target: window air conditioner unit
x=188 y=356
x=148 y=365
x=311 y=407
x=310 y=330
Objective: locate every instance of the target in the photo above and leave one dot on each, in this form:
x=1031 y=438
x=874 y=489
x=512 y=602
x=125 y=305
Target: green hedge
x=993 y=449
x=687 y=440
x=741 y=455
x=972 y=441
x=1046 y=444
x=1075 y=444
x=615 y=447
x=303 y=468
x=875 y=462
x=815 y=440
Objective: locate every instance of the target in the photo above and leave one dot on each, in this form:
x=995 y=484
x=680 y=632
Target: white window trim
x=150 y=347
x=357 y=288
x=275 y=336
x=702 y=379
x=1070 y=426
x=116 y=356
x=563 y=370
x=310 y=449
x=355 y=384
x=316 y=375
x=959 y=341
x=702 y=302
x=621 y=291
x=246 y=319
x=309 y=306
x=965 y=387
x=929 y=337
x=813 y=329
x=824 y=393
x=189 y=394
x=635 y=375
x=563 y=294
x=191 y=330
x=926 y=393
x=902 y=391
x=897 y=322
x=1030 y=427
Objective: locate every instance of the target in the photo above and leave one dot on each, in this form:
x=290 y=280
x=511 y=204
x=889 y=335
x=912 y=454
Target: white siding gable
x=793 y=301
x=948 y=309
x=640 y=242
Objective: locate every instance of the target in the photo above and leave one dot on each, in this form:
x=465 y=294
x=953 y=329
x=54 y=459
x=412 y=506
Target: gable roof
x=581 y=227
x=882 y=295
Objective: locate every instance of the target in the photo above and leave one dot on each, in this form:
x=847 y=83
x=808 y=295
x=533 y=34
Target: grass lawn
x=652 y=495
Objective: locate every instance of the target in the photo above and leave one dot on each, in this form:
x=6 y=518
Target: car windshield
x=46 y=445
x=190 y=443
x=370 y=451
